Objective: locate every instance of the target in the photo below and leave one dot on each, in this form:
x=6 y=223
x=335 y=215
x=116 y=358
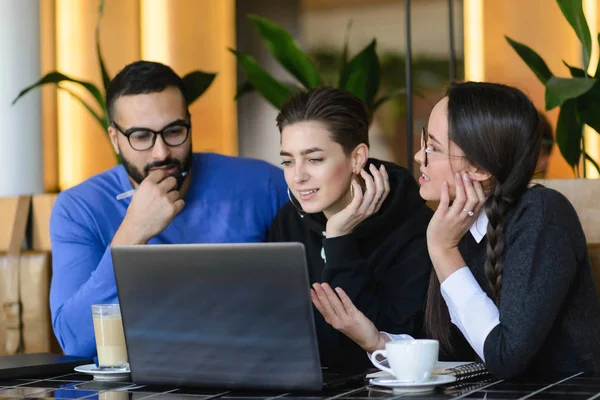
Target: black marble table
x=76 y=386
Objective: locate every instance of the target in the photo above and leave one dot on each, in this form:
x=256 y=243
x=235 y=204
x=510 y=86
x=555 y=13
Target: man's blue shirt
x=230 y=200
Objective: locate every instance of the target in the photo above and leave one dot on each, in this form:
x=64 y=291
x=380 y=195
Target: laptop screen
x=226 y=315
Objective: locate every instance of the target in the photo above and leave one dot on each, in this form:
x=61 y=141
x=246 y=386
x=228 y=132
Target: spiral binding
x=468 y=371
x=464 y=387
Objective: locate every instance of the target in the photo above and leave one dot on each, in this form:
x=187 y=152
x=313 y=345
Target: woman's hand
x=342 y=314
x=362 y=205
x=450 y=223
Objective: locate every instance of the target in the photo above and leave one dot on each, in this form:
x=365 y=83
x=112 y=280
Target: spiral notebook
x=461 y=370
x=464 y=386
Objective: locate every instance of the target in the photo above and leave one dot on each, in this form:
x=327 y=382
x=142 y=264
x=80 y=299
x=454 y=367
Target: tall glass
x=110 y=338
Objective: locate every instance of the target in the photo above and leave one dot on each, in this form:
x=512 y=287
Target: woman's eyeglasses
x=429 y=150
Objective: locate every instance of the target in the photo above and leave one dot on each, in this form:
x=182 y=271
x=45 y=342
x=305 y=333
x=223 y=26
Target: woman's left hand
x=450 y=222
x=339 y=312
x=362 y=205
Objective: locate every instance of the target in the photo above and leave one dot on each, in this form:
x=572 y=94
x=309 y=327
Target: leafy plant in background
x=360 y=75
x=578 y=97
x=195 y=84
x=428 y=73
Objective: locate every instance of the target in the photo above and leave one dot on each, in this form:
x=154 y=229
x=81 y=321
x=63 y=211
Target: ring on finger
x=469 y=213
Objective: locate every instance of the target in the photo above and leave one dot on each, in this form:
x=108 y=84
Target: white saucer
x=405 y=386
x=116 y=374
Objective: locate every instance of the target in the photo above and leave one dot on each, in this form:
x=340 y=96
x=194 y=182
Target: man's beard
x=138 y=176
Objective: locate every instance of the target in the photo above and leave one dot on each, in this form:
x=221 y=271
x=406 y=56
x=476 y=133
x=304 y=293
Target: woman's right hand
x=339 y=312
x=362 y=205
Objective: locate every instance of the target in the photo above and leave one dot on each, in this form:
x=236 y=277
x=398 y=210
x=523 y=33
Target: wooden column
x=84 y=149
x=190 y=35
x=536 y=23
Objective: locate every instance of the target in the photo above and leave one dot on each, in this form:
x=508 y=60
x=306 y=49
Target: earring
x=297 y=207
x=351 y=190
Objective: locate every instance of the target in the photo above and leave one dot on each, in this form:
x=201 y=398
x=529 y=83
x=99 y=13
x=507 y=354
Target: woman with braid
x=512 y=283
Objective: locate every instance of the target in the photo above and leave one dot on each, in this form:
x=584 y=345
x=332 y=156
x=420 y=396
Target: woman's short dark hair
x=344 y=115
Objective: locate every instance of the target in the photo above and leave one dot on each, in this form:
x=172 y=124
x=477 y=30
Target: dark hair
x=142 y=77
x=547 y=136
x=499 y=130
x=346 y=117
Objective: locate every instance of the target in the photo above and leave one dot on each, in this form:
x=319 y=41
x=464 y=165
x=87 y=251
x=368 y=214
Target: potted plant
x=361 y=74
x=579 y=100
x=578 y=97
x=195 y=84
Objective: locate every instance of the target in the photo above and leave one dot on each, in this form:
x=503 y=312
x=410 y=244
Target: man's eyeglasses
x=428 y=149
x=141 y=139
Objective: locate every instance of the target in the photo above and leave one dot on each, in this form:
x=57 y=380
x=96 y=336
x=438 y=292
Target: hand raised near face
x=451 y=221
x=362 y=205
x=153 y=206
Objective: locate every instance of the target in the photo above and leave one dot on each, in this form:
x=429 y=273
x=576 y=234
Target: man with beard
x=161 y=194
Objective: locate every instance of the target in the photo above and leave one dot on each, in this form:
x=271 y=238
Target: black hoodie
x=383 y=265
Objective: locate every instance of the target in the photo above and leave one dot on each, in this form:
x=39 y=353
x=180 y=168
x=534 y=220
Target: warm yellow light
x=592 y=139
x=172 y=31
x=69 y=116
x=473 y=37
x=590 y=9
x=154 y=36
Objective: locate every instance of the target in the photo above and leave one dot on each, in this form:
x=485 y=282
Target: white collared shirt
x=478 y=228
x=471 y=310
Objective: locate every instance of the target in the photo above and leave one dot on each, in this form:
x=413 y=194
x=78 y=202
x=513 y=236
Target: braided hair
x=499 y=130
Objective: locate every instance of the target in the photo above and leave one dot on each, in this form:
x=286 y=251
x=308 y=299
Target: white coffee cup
x=410 y=360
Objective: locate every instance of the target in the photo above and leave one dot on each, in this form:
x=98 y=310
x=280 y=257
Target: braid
x=498 y=129
x=496 y=209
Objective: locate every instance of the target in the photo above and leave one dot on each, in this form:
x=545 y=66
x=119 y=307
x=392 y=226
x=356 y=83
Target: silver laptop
x=218 y=315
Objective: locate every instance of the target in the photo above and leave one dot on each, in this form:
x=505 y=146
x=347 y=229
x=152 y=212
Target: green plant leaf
x=568 y=132
x=598 y=65
x=287 y=51
x=56 y=77
x=592 y=161
x=387 y=97
x=248 y=87
x=395 y=93
x=105 y=76
x=195 y=84
x=573 y=12
x=590 y=116
x=271 y=89
x=344 y=58
x=532 y=59
x=103 y=121
x=245 y=87
x=588 y=107
x=103 y=70
x=363 y=75
x=559 y=90
x=575 y=72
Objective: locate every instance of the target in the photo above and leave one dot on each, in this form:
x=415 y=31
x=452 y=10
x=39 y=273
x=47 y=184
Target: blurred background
x=64 y=145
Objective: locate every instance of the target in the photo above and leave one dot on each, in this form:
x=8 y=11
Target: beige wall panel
x=49 y=116
x=195 y=34
x=538 y=24
x=84 y=149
